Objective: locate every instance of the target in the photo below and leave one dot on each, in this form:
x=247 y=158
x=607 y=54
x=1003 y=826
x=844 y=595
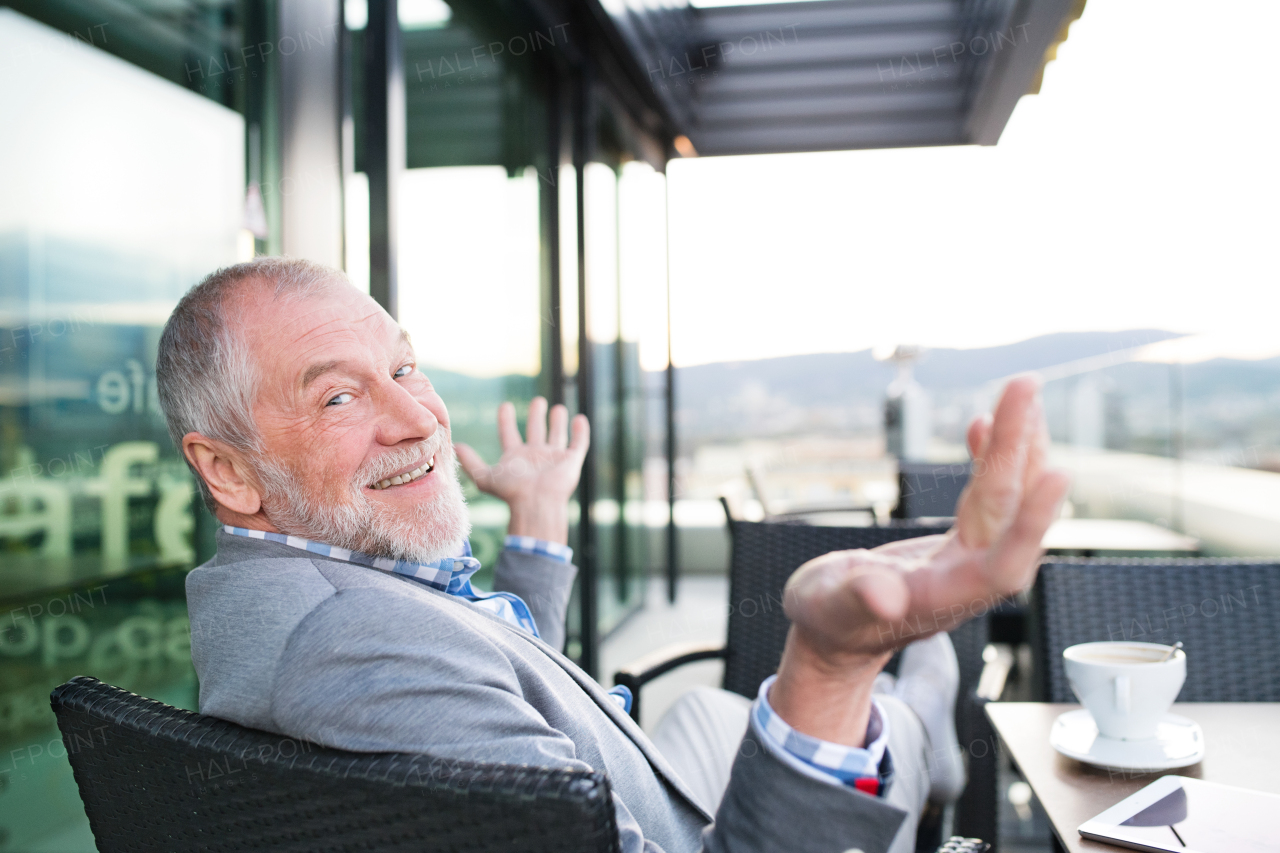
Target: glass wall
x=1161 y=433
x=642 y=274
x=140 y=150
x=625 y=234
x=123 y=165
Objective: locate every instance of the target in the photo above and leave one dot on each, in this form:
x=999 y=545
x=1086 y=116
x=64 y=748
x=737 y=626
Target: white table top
x=1114 y=534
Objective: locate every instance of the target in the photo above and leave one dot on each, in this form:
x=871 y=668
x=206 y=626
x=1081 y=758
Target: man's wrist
x=546 y=520
x=824 y=697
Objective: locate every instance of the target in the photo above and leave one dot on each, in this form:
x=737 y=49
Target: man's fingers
x=535 y=429
x=1038 y=449
x=1015 y=558
x=475 y=467
x=1011 y=428
x=992 y=497
x=558 y=435
x=581 y=434
x=979 y=435
x=508 y=432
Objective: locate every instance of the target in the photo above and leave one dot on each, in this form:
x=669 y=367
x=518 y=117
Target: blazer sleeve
x=771 y=806
x=544 y=583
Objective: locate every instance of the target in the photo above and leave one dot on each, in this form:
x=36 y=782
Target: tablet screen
x=1182 y=815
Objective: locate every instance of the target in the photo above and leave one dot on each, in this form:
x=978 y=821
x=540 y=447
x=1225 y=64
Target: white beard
x=348 y=519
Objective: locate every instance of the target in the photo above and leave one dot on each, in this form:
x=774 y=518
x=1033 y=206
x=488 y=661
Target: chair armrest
x=646 y=668
x=997 y=661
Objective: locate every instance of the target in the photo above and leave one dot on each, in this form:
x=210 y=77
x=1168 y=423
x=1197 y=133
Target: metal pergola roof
x=841 y=74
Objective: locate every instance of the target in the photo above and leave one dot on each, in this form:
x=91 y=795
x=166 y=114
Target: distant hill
x=952 y=368
x=838 y=377
x=1226 y=401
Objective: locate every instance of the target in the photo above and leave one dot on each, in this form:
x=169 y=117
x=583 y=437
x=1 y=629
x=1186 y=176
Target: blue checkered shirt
x=830 y=762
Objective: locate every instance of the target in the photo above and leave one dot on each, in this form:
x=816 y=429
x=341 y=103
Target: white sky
x=1137 y=190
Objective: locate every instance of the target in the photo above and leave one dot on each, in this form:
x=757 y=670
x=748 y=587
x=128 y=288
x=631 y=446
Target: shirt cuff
x=831 y=762
x=541 y=547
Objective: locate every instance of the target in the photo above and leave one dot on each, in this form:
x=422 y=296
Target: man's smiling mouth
x=407 y=477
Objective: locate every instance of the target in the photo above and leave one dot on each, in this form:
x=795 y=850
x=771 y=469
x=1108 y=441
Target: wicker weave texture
x=764 y=555
x=1225 y=612
x=155 y=778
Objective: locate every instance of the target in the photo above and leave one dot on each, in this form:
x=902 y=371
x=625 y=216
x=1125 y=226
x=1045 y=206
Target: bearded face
x=352 y=445
x=343 y=514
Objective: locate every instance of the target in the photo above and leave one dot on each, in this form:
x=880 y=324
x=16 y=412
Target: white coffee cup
x=1127 y=687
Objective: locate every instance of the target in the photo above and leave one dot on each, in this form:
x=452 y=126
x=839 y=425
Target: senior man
x=339 y=608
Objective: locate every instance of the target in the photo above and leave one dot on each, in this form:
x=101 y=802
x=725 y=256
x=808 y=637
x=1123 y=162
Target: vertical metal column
x=549 y=199
x=673 y=544
x=310 y=65
x=384 y=152
x=588 y=587
x=1176 y=443
x=623 y=426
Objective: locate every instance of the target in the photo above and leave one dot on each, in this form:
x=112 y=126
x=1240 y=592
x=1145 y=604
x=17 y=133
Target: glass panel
x=568 y=226
x=121 y=190
x=642 y=247
x=569 y=278
x=600 y=194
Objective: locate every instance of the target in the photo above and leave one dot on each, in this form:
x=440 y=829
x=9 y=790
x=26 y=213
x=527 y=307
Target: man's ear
x=225 y=471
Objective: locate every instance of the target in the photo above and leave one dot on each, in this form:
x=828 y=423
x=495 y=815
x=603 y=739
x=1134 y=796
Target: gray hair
x=206 y=377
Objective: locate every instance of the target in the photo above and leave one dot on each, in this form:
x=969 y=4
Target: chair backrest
x=763 y=556
x=1223 y=611
x=929 y=488
x=155 y=778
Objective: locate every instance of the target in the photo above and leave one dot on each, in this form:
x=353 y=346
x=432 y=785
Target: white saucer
x=1179 y=742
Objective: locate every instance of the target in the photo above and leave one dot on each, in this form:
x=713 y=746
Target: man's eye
x=403 y=372
x=340 y=399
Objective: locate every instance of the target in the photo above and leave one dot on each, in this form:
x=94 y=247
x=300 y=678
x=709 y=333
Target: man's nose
x=403 y=417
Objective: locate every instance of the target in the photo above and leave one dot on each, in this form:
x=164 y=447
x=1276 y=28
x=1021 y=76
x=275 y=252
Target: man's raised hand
x=535 y=476
x=857 y=603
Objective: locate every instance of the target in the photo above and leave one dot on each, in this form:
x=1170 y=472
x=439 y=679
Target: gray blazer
x=346 y=656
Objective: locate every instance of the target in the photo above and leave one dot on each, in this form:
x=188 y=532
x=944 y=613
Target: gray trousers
x=701 y=733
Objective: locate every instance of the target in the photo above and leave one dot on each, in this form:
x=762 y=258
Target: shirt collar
x=450 y=574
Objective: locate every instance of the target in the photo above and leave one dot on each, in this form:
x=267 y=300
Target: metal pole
x=384 y=109
x=673 y=544
x=588 y=587
x=549 y=193
x=1176 y=441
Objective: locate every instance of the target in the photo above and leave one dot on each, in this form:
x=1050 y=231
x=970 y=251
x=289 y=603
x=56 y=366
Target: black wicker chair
x=927 y=489
x=1222 y=610
x=155 y=778
x=763 y=556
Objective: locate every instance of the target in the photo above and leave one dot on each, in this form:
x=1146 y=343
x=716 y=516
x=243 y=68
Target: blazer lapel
x=615 y=713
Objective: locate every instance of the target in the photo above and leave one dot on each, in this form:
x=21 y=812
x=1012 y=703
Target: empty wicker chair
x=1222 y=610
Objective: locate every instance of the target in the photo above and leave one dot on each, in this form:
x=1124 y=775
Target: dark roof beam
x=854 y=108
x=836 y=137
x=830 y=13
x=815 y=79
